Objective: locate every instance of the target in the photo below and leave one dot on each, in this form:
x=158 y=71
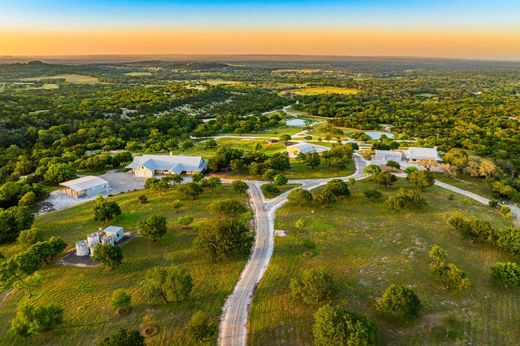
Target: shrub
x=171 y=283
x=239 y=186
x=507 y=273
x=29 y=237
x=123 y=337
x=121 y=299
x=143 y=199
x=372 y=195
x=280 y=179
x=299 y=196
x=449 y=273
x=224 y=238
x=200 y=327
x=31 y=320
x=399 y=301
x=269 y=174
x=227 y=208
x=105 y=210
x=176 y=204
x=405 y=199
x=271 y=188
x=337 y=325
x=185 y=220
x=313 y=286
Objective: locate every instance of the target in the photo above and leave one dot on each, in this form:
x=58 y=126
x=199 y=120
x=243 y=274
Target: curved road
x=233 y=327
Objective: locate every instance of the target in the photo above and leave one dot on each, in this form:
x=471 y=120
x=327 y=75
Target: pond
x=377 y=135
x=298 y=122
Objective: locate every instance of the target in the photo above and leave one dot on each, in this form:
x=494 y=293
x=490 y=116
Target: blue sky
x=374 y=14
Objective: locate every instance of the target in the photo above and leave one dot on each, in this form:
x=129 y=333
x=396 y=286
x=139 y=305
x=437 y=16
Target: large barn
x=85 y=186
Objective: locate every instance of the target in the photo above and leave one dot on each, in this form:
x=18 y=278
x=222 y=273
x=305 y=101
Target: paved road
x=233 y=327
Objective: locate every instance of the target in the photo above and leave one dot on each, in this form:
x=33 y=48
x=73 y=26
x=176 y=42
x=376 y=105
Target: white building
x=381 y=157
x=115 y=232
x=305 y=148
x=85 y=186
x=417 y=154
x=150 y=165
x=82 y=248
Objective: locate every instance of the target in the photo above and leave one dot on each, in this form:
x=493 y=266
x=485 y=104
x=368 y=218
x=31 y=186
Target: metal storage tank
x=93 y=240
x=82 y=248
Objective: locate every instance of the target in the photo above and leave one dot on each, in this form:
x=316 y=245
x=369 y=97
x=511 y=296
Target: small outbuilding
x=115 y=232
x=85 y=186
x=305 y=148
x=381 y=157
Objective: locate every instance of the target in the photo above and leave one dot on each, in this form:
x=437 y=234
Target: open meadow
x=85 y=293
x=366 y=247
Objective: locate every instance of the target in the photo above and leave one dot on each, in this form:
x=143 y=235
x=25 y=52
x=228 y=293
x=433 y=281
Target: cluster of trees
x=13 y=220
x=256 y=162
x=20 y=270
x=338 y=156
x=507 y=238
x=332 y=192
x=451 y=275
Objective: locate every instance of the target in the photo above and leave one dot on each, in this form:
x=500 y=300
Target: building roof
x=422 y=154
x=385 y=155
x=172 y=163
x=308 y=147
x=112 y=229
x=84 y=183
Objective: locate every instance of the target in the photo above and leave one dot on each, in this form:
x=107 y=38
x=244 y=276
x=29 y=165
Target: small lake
x=377 y=135
x=298 y=122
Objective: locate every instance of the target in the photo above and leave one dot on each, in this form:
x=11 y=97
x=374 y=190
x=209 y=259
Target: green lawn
x=366 y=248
x=71 y=78
x=281 y=188
x=85 y=292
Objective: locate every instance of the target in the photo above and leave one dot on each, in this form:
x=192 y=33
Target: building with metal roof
x=151 y=165
x=85 y=186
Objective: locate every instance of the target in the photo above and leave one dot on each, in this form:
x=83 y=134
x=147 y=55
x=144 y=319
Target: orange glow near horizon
x=391 y=42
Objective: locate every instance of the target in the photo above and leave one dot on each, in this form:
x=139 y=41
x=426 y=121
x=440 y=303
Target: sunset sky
x=457 y=28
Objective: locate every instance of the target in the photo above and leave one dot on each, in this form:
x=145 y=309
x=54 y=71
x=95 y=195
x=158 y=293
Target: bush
x=31 y=320
x=123 y=337
x=313 y=286
x=336 y=325
x=200 y=327
x=171 y=283
x=399 y=301
x=449 y=273
x=338 y=187
x=184 y=220
x=143 y=199
x=271 y=188
x=280 y=179
x=507 y=273
x=29 y=237
x=406 y=199
x=269 y=174
x=227 y=208
x=176 y=204
x=300 y=196
x=421 y=179
x=121 y=299
x=372 y=195
x=239 y=186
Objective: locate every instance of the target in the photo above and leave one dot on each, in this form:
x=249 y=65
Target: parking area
x=119 y=183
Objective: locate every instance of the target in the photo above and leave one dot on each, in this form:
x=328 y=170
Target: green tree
x=300 y=196
x=325 y=197
x=58 y=173
x=285 y=138
x=269 y=174
x=224 y=238
x=338 y=187
x=123 y=337
x=109 y=255
x=121 y=299
x=399 y=302
x=373 y=170
x=143 y=199
x=48 y=250
x=373 y=195
x=421 y=179
x=201 y=327
x=31 y=320
x=405 y=199
x=29 y=237
x=280 y=179
x=336 y=325
x=393 y=164
x=153 y=228
x=105 y=210
x=13 y=220
x=196 y=177
x=239 y=186
x=449 y=273
x=386 y=178
x=313 y=286
x=28 y=199
x=190 y=190
x=169 y=283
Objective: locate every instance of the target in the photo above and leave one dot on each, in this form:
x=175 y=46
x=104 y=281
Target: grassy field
x=325 y=90
x=366 y=248
x=281 y=188
x=138 y=74
x=71 y=78
x=475 y=185
x=85 y=292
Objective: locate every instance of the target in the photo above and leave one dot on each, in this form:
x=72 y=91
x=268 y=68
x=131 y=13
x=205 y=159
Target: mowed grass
x=85 y=293
x=366 y=247
x=71 y=78
x=325 y=90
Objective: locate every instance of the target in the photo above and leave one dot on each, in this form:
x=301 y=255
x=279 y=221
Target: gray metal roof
x=172 y=163
x=84 y=183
